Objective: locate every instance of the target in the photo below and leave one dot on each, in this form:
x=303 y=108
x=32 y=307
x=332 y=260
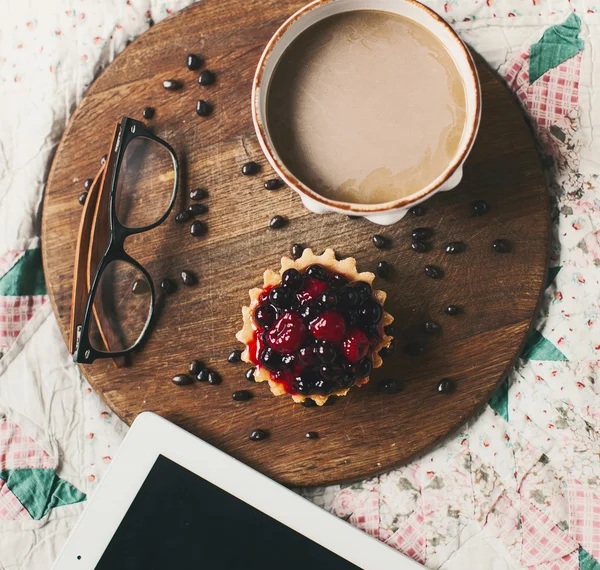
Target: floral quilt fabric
x=517 y=487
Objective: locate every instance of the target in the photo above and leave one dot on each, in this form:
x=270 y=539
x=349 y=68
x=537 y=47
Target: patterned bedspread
x=518 y=487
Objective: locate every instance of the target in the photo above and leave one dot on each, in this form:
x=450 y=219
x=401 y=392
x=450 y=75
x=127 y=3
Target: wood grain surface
x=366 y=432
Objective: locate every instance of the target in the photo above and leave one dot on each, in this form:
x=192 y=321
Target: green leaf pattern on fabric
x=499 y=401
x=558 y=44
x=25 y=277
x=586 y=561
x=40 y=490
x=540 y=348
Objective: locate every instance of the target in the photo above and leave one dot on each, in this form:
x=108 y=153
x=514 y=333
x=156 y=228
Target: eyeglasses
x=133 y=192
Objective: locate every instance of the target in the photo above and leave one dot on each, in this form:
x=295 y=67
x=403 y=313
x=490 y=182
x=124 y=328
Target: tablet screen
x=179 y=520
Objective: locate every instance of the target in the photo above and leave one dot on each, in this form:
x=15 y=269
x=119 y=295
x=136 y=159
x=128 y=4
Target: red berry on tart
x=315 y=328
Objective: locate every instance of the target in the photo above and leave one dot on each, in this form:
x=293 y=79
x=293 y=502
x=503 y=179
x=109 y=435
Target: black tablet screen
x=180 y=521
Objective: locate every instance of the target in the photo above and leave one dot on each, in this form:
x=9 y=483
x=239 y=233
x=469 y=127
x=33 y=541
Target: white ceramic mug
x=389 y=212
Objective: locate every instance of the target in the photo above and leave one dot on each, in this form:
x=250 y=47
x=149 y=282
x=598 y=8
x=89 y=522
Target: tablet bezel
x=151 y=436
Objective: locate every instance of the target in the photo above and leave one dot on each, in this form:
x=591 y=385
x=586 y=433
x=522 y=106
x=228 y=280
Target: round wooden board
x=366 y=432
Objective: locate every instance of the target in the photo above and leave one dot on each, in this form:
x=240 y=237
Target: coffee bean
x=197 y=209
x=140 y=287
x=167 y=286
x=148 y=112
x=182 y=217
x=241 y=395
x=273 y=184
x=150 y=22
x=203 y=375
x=214 y=378
x=193 y=62
x=250 y=168
x=455 y=247
x=311 y=434
x=389 y=386
x=188 y=278
x=431 y=327
x=415 y=349
x=82 y=198
x=258 y=434
x=422 y=234
x=250 y=374
x=277 y=222
x=195 y=366
x=103 y=159
x=433 y=272
x=198 y=228
x=480 y=208
x=383 y=269
x=501 y=246
x=234 y=356
x=206 y=78
x=297 y=250
x=171 y=84
x=417 y=211
x=452 y=310
x=309 y=403
x=203 y=109
x=419 y=246
x=380 y=242
x=88 y=183
x=198 y=194
x=445 y=386
x=181 y=380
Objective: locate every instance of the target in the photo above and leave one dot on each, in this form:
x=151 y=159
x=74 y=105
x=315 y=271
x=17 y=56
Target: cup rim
x=349 y=207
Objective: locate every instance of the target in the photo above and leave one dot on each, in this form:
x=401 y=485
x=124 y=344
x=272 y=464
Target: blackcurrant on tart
x=315 y=328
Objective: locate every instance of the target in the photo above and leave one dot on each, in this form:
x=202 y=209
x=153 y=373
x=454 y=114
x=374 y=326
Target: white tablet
x=171 y=501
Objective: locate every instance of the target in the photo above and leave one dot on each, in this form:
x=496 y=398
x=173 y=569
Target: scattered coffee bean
x=82 y=198
x=415 y=349
x=383 y=269
x=214 y=378
x=431 y=327
x=140 y=287
x=150 y=22
x=389 y=386
x=203 y=109
x=198 y=228
x=198 y=194
x=103 y=159
x=241 y=395
x=250 y=168
x=148 y=112
x=480 y=207
x=445 y=386
x=167 y=286
x=273 y=184
x=452 y=310
x=297 y=250
x=193 y=62
x=422 y=234
x=195 y=366
x=181 y=380
x=380 y=242
x=419 y=246
x=433 y=272
x=258 y=434
x=88 y=183
x=206 y=78
x=309 y=403
x=203 y=375
x=188 y=278
x=277 y=222
x=417 y=211
x=250 y=374
x=501 y=246
x=311 y=434
x=234 y=356
x=455 y=247
x=197 y=209
x=183 y=216
x=171 y=84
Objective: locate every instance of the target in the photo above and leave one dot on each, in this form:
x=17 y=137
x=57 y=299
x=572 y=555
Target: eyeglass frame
x=85 y=353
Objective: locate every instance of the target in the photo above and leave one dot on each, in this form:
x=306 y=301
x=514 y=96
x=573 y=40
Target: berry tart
x=315 y=328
